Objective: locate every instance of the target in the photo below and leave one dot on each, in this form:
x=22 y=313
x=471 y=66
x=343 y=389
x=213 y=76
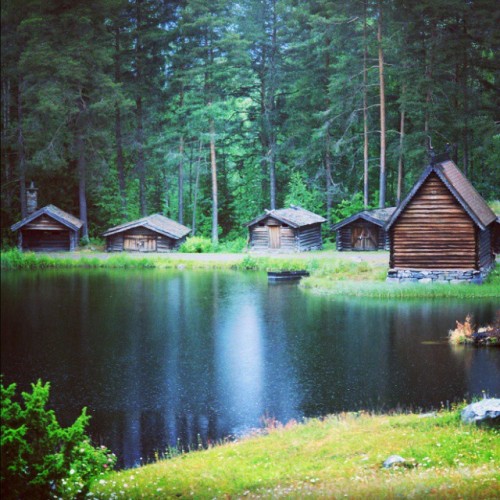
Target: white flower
x=72 y=471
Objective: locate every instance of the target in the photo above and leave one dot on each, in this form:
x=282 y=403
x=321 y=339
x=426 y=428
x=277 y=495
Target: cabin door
x=139 y=243
x=274 y=236
x=363 y=238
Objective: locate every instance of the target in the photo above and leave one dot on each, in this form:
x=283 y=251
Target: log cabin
x=291 y=229
x=496 y=236
x=442 y=231
x=364 y=230
x=48 y=229
x=155 y=233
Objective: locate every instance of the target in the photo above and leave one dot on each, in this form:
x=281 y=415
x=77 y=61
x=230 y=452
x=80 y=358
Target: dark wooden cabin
x=443 y=224
x=48 y=229
x=496 y=236
x=155 y=233
x=364 y=230
x=291 y=229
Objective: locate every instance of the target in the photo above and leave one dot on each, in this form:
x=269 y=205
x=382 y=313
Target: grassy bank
x=332 y=273
x=327 y=286
x=335 y=457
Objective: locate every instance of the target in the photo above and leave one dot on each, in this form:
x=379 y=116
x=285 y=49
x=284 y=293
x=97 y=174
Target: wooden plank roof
x=378 y=216
x=460 y=187
x=56 y=213
x=293 y=216
x=156 y=222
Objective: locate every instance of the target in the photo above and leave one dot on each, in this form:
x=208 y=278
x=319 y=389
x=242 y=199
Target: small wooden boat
x=286 y=275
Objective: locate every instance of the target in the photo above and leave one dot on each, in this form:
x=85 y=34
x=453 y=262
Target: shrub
x=196 y=244
x=236 y=245
x=40 y=459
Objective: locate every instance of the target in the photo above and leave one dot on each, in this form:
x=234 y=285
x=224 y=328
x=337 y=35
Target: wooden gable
x=433 y=231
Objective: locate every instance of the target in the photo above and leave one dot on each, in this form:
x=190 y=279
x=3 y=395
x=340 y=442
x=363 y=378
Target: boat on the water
x=286 y=275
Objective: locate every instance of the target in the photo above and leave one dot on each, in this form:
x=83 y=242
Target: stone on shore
x=485 y=411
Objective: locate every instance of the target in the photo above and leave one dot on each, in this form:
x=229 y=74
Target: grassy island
x=333 y=457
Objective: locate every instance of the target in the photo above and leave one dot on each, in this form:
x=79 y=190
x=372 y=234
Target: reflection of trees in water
x=159 y=357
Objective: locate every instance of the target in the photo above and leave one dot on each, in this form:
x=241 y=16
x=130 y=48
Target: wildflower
x=72 y=471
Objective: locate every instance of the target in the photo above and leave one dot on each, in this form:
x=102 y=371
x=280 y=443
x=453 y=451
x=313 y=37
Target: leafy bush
x=196 y=244
x=40 y=459
x=236 y=245
x=348 y=207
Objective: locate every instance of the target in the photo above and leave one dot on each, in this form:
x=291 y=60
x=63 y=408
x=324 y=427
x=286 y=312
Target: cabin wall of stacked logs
x=46 y=234
x=485 y=248
x=434 y=232
x=301 y=239
x=115 y=242
x=309 y=238
x=343 y=238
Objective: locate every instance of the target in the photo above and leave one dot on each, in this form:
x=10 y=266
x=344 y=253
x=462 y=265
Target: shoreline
x=332 y=273
x=333 y=456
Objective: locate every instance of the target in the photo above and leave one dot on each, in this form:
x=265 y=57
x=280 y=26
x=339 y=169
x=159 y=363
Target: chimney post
x=31 y=198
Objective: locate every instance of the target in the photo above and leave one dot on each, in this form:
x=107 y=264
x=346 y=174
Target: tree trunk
x=382 y=108
x=21 y=151
x=120 y=164
x=272 y=110
x=195 y=196
x=213 y=168
x=328 y=174
x=401 y=146
x=366 y=193
x=180 y=184
x=82 y=178
x=465 y=93
x=141 y=166
x=7 y=171
x=428 y=74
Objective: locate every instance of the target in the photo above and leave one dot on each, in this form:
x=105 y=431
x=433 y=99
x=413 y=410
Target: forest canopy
x=211 y=111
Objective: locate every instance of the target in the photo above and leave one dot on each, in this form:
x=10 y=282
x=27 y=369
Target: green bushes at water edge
x=41 y=459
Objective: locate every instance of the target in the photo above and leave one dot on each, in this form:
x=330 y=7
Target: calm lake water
x=162 y=356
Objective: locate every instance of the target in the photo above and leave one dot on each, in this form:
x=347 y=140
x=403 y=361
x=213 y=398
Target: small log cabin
x=364 y=230
x=496 y=236
x=443 y=224
x=48 y=229
x=290 y=229
x=155 y=233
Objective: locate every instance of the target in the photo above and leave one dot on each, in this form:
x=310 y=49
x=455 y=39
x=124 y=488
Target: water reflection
x=162 y=358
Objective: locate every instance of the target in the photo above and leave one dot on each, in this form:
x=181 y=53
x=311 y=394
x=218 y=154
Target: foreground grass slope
x=335 y=456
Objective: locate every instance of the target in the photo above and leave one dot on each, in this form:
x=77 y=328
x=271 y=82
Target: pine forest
x=209 y=112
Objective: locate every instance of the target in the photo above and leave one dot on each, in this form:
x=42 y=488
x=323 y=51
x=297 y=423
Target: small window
x=261 y=224
x=285 y=225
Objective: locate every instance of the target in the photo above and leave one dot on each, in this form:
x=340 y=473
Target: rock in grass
x=392 y=461
x=485 y=411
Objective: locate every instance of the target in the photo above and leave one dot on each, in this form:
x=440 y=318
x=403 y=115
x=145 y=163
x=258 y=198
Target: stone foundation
x=451 y=276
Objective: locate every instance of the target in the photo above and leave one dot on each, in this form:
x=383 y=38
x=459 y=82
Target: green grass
x=371 y=283
x=333 y=457
x=331 y=273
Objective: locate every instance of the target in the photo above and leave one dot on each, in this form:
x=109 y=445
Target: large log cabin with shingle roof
x=442 y=231
x=289 y=229
x=154 y=233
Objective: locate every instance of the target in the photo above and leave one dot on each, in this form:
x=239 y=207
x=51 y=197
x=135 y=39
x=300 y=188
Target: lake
x=163 y=357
